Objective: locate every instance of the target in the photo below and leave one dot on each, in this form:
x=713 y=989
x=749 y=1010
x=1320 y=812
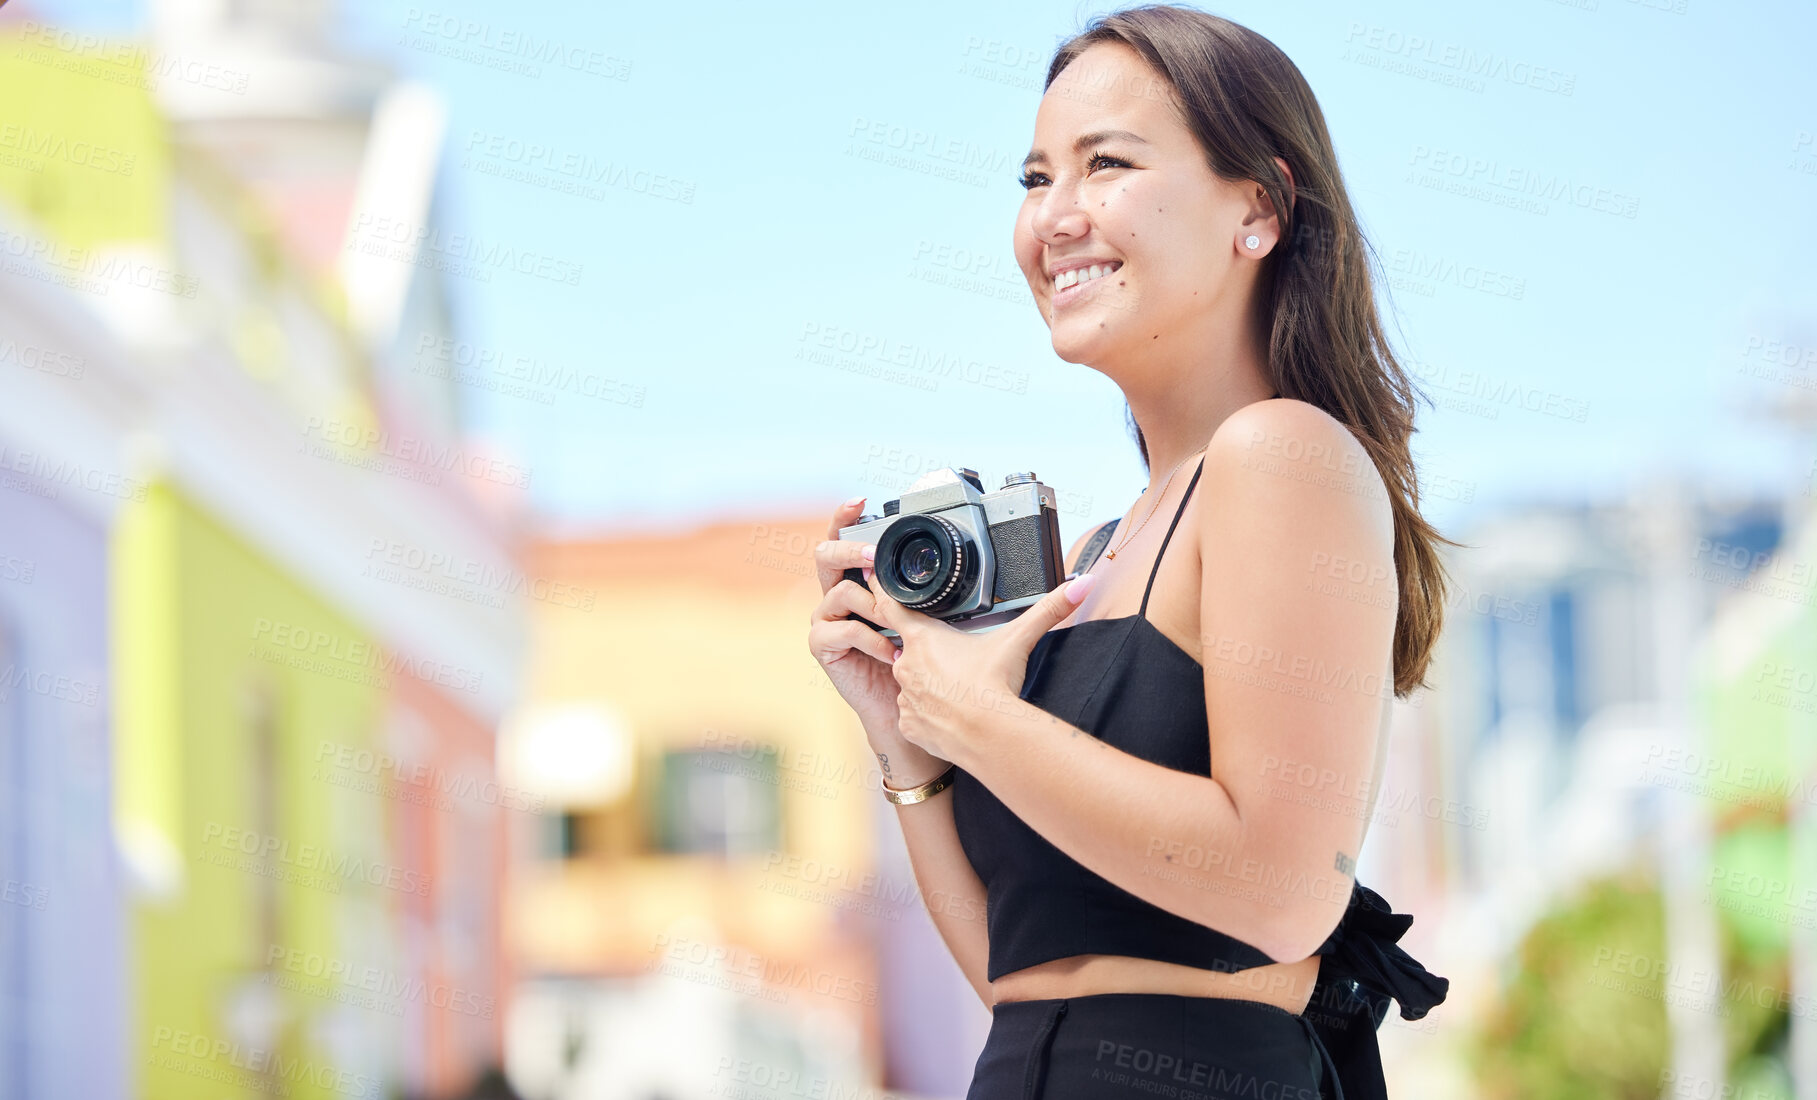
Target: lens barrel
x=926 y=564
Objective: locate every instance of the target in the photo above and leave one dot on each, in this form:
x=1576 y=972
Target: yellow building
x=708 y=887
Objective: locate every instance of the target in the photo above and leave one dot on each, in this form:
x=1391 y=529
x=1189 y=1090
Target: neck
x=1177 y=421
x=1185 y=383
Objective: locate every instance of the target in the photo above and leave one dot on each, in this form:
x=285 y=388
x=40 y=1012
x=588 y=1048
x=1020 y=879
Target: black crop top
x=1128 y=684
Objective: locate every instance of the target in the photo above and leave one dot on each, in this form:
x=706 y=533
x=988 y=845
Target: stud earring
x=1251 y=241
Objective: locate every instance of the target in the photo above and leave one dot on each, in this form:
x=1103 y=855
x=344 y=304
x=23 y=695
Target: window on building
x=561 y=834
x=718 y=803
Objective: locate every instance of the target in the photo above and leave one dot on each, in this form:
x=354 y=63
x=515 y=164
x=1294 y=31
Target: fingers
x=1047 y=612
x=832 y=633
x=829 y=641
x=888 y=611
x=834 y=556
x=845 y=515
x=843 y=599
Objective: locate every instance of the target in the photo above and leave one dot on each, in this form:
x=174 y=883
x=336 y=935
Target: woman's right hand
x=855 y=657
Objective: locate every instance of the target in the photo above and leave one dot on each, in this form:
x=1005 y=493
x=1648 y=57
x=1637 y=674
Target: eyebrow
x=1093 y=138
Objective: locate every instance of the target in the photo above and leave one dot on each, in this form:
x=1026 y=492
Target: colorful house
x=719 y=897
x=279 y=847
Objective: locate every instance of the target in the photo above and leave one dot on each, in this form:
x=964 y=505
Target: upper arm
x=1072 y=553
x=1297 y=615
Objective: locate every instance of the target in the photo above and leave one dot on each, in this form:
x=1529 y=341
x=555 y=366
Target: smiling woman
x=1168 y=899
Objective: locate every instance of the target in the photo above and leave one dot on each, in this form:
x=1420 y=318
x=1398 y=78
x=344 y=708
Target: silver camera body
x=951 y=550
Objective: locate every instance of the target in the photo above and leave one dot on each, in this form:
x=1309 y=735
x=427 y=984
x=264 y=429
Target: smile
x=1084 y=275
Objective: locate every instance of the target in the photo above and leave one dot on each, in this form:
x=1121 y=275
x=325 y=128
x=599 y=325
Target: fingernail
x=896 y=656
x=1079 y=587
x=853 y=503
x=869 y=552
x=867 y=576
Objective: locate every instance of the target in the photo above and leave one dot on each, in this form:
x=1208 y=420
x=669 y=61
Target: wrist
x=998 y=731
x=921 y=792
x=906 y=765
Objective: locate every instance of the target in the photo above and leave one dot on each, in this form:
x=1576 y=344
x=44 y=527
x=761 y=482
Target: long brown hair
x=1247 y=103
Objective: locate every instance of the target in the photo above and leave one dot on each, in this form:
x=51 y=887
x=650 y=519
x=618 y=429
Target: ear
x=1262 y=220
x=1288 y=173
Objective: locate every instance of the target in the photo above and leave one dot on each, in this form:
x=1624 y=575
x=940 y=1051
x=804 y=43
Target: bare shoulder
x=1300 y=459
x=1284 y=427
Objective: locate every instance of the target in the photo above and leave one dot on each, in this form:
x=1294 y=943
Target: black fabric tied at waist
x=1364 y=968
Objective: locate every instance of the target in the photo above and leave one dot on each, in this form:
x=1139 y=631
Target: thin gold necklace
x=1110 y=554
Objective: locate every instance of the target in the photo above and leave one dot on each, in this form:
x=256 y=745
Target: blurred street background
x=416 y=420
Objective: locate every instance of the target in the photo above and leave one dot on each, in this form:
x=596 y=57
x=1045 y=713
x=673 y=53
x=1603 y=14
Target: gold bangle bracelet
x=924 y=792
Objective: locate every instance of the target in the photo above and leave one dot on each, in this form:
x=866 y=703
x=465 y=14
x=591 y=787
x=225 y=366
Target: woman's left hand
x=953 y=680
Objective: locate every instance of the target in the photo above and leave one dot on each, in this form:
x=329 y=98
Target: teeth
x=1082 y=275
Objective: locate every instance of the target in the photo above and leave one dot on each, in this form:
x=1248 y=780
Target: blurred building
x=1569 y=684
x=708 y=908
x=220 y=455
x=62 y=919
x=1558 y=655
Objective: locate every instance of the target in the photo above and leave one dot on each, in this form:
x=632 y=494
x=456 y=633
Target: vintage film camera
x=974 y=559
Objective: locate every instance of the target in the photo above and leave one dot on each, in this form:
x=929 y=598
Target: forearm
x=1171 y=838
x=951 y=890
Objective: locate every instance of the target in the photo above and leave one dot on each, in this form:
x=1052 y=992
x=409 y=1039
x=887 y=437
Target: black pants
x=1109 y=1046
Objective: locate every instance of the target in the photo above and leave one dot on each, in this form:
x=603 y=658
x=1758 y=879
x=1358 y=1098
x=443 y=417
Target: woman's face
x=1116 y=178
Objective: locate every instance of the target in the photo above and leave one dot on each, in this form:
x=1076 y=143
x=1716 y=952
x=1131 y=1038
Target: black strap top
x=1128 y=684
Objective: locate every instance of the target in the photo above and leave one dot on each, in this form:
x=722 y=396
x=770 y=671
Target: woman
x=1157 y=779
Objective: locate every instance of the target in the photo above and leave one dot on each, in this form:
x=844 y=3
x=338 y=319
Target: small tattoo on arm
x=883 y=761
x=1346 y=864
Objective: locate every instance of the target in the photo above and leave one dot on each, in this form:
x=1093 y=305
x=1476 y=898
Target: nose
x=1059 y=216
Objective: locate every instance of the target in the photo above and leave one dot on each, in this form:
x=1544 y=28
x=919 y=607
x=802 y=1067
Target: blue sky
x=1696 y=118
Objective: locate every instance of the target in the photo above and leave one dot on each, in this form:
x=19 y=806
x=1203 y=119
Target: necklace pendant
x=1110 y=555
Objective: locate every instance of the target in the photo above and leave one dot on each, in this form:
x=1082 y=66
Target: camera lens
x=927 y=564
x=919 y=560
